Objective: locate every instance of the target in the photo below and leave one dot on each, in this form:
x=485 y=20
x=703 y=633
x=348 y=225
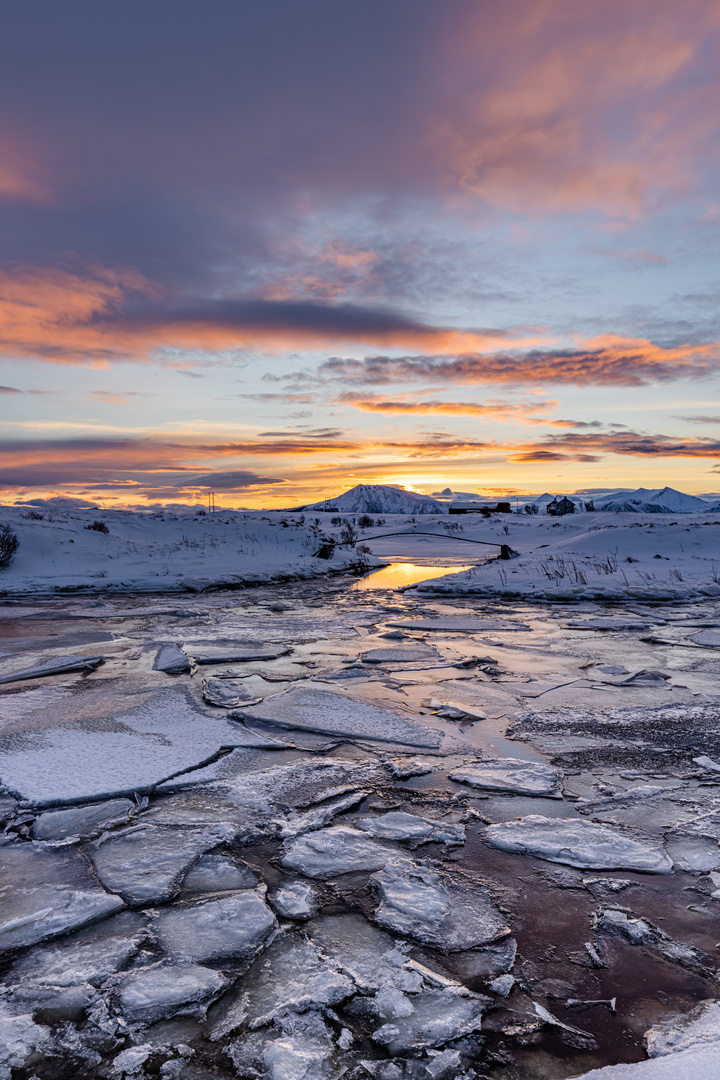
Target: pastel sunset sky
x=275 y=248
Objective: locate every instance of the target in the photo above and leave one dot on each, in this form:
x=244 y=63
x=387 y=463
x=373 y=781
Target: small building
x=479 y=508
x=560 y=507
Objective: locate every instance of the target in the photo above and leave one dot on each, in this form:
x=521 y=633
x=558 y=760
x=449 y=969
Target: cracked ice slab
x=147 y=864
x=329 y=713
x=59 y=665
x=292 y=975
x=578 y=843
x=236 y=926
x=511 y=774
x=298 y=1047
x=397 y=825
x=78 y=963
x=176 y=659
x=401 y=654
x=458 y=625
x=430 y=909
x=82 y=822
x=151 y=994
x=164 y=735
x=430 y=1018
x=46 y=894
x=337 y=850
x=295 y=900
x=20 y=1040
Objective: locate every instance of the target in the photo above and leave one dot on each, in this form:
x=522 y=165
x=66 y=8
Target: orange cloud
x=609 y=360
x=492 y=410
x=570 y=106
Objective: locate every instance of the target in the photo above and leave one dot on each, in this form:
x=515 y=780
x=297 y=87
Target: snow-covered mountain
x=655 y=501
x=379 y=499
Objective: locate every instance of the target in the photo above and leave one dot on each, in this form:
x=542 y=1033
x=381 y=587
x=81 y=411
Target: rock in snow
x=578 y=843
x=513 y=775
x=428 y=908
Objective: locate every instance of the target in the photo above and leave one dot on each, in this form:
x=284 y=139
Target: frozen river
x=330 y=828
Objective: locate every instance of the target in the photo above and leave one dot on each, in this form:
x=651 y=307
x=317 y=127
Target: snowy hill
x=379 y=499
x=659 y=501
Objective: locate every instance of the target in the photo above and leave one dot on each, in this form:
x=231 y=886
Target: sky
x=272 y=250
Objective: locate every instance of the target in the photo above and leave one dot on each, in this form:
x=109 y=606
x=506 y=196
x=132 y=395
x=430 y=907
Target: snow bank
x=155 y=553
x=626 y=556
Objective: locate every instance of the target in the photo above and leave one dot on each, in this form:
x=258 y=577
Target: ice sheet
x=578 y=843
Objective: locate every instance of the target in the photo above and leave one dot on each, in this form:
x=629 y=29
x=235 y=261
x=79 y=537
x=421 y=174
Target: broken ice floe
x=77 y=963
x=429 y=908
x=709 y=638
x=459 y=625
x=227 y=693
x=454 y=710
x=295 y=823
x=21 y=1040
x=337 y=850
x=59 y=665
x=82 y=822
x=430 y=1018
x=512 y=775
x=335 y=714
x=232 y=926
x=601 y=623
x=176 y=659
x=370 y=956
x=47 y=894
x=165 y=989
x=397 y=825
x=619 y=923
x=578 y=843
x=297 y=1047
x=401 y=654
x=212 y=874
x=295 y=900
x=147 y=864
x=486 y=962
x=292 y=975
x=699 y=1026
x=166 y=735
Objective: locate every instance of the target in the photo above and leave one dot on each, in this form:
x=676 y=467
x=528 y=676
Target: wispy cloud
x=608 y=360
